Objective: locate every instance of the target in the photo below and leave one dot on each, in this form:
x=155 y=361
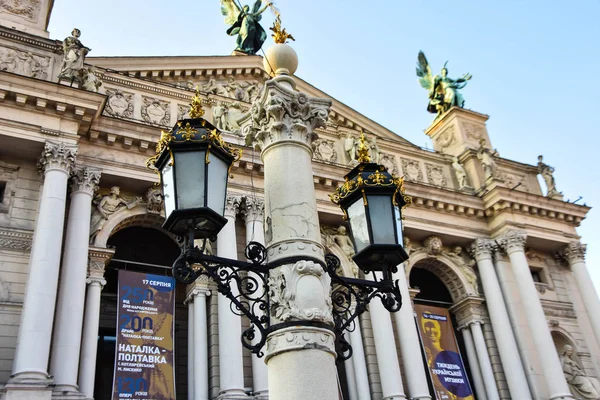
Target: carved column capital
x=232 y=206
x=468 y=311
x=283 y=114
x=85 y=179
x=483 y=249
x=200 y=287
x=253 y=209
x=97 y=262
x=574 y=252
x=57 y=156
x=513 y=241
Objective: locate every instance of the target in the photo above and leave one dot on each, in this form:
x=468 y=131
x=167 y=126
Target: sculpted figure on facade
x=465 y=267
x=245 y=24
x=154 y=200
x=433 y=245
x=584 y=386
x=73 y=58
x=90 y=80
x=212 y=87
x=547 y=172
x=107 y=206
x=351 y=147
x=461 y=174
x=486 y=157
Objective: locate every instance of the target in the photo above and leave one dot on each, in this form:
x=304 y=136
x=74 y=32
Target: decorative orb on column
x=280 y=59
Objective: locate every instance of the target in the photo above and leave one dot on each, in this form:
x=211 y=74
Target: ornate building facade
x=77 y=204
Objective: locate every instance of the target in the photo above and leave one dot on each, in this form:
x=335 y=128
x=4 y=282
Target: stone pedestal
x=300 y=353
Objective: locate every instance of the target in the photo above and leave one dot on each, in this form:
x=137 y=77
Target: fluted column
x=359 y=362
x=410 y=346
x=253 y=211
x=300 y=355
x=198 y=339
x=71 y=294
x=231 y=366
x=385 y=348
x=473 y=363
x=507 y=346
x=514 y=245
x=98 y=259
x=35 y=331
x=484 y=361
x=574 y=253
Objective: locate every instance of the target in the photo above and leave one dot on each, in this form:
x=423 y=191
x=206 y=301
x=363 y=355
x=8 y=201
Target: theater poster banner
x=144 y=367
x=444 y=362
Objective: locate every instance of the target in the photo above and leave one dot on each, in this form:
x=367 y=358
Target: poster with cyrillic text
x=445 y=365
x=144 y=359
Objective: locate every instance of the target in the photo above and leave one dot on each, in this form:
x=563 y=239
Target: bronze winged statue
x=245 y=23
x=443 y=90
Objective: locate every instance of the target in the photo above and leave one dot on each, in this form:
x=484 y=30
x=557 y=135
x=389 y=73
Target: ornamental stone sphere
x=280 y=59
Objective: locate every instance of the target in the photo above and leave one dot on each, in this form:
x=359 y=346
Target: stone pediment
x=232 y=79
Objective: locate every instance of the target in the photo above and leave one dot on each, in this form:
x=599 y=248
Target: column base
x=234 y=394
x=261 y=396
x=562 y=397
x=28 y=391
x=66 y=392
x=395 y=397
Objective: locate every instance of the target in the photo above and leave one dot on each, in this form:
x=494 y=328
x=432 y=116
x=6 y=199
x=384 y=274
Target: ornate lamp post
x=287 y=297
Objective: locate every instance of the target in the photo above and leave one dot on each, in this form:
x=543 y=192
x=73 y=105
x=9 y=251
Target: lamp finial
x=363 y=149
x=196 y=110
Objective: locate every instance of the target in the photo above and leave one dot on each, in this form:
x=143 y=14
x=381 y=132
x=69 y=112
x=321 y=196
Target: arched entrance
x=140 y=248
x=439 y=287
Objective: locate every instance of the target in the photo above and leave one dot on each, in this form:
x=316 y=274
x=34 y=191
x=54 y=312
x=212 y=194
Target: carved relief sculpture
x=433 y=245
x=119 y=104
x=412 y=170
x=105 y=206
x=547 y=172
x=90 y=80
x=27 y=9
x=582 y=385
x=154 y=200
x=156 y=111
x=461 y=174
x=389 y=162
x=24 y=63
x=446 y=138
x=435 y=175
x=324 y=150
x=73 y=58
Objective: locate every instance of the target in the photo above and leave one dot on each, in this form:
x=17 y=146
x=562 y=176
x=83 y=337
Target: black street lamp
x=194 y=165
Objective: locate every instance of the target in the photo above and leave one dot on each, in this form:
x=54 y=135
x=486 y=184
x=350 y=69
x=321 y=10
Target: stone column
x=253 y=211
x=507 y=346
x=35 y=331
x=484 y=362
x=190 y=351
x=359 y=362
x=351 y=380
x=231 y=366
x=574 y=253
x=66 y=342
x=198 y=354
x=473 y=363
x=98 y=259
x=410 y=346
x=300 y=352
x=514 y=245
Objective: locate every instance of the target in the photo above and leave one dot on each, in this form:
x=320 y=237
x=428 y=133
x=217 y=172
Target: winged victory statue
x=443 y=90
x=244 y=23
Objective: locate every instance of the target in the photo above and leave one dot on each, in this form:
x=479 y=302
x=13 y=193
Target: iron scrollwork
x=243 y=283
x=351 y=298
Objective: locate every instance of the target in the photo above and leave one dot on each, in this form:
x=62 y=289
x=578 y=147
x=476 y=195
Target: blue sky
x=535 y=66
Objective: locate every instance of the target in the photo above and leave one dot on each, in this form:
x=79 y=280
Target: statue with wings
x=443 y=91
x=245 y=24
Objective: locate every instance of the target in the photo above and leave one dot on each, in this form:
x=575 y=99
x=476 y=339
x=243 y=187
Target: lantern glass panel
x=358 y=223
x=217 y=184
x=381 y=213
x=189 y=174
x=398 y=221
x=168 y=186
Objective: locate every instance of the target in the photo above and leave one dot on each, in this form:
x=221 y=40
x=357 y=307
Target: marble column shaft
x=198 y=339
x=253 y=212
x=574 y=252
x=68 y=325
x=359 y=362
x=300 y=358
x=190 y=349
x=507 y=346
x=474 y=364
x=410 y=346
x=35 y=330
x=231 y=366
x=98 y=259
x=483 y=359
x=514 y=244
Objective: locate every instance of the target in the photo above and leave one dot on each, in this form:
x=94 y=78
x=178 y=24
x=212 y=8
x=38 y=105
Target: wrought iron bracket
x=351 y=298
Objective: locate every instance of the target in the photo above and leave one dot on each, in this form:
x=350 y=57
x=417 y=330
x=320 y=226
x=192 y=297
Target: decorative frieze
x=183 y=111
x=156 y=111
x=24 y=63
x=119 y=104
x=412 y=170
x=27 y=9
x=15 y=240
x=300 y=338
x=435 y=175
